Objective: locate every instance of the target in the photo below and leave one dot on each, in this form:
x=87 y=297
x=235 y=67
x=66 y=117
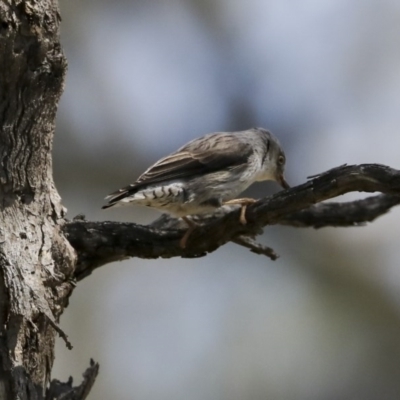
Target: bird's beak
x=281 y=180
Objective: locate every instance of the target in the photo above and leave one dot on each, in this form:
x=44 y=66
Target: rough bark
x=36 y=261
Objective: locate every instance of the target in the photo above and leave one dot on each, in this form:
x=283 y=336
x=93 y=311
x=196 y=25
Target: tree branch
x=98 y=243
x=353 y=213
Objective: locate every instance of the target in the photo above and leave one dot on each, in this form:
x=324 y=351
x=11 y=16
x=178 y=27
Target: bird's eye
x=281 y=160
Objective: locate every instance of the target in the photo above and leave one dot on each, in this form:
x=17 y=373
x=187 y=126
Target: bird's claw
x=244 y=202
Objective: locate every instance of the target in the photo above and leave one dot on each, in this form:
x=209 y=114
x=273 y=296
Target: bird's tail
x=116 y=197
x=108 y=206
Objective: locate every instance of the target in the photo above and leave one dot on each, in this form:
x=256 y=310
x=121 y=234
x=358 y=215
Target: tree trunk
x=36 y=261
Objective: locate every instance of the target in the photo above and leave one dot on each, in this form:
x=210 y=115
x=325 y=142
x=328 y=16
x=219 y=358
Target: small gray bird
x=206 y=173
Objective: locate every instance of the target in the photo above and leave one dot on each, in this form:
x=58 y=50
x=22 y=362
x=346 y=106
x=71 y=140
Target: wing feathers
x=204 y=155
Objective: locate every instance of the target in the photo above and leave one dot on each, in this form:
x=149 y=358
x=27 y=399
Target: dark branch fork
x=98 y=243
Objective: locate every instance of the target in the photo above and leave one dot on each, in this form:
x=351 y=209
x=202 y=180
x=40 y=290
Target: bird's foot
x=244 y=202
x=191 y=227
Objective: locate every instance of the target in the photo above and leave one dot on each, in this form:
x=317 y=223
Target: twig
x=256 y=247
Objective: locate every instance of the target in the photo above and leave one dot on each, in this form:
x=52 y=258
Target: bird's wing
x=210 y=153
x=207 y=154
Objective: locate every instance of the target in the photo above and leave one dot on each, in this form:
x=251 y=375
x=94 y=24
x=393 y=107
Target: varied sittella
x=205 y=174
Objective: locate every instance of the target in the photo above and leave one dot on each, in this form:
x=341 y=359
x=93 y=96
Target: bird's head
x=274 y=159
x=280 y=162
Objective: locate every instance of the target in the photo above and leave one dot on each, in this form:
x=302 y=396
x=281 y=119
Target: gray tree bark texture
x=42 y=254
x=36 y=260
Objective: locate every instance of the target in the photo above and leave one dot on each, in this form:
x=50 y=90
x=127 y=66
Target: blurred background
x=322 y=322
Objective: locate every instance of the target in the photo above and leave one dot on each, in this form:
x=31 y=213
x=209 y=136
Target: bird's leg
x=191 y=227
x=244 y=202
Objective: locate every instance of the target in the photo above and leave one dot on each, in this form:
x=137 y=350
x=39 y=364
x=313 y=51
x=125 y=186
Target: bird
x=205 y=174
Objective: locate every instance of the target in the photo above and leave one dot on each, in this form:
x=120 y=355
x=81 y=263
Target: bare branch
x=255 y=247
x=98 y=243
x=65 y=391
x=354 y=213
